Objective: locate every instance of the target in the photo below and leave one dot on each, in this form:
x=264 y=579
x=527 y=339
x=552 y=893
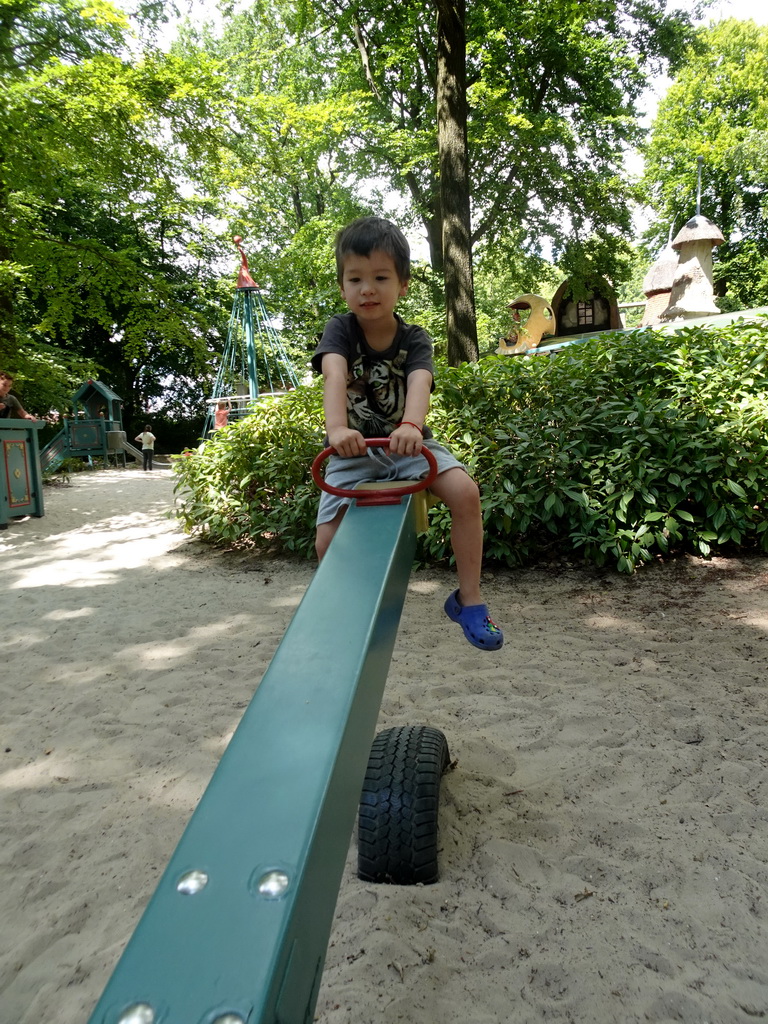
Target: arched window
x=585 y=314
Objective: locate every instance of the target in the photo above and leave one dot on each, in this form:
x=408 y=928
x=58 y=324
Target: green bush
x=614 y=451
x=250 y=483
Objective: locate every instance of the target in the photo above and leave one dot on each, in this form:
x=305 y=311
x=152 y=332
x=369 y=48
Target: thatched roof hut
x=698 y=229
x=658 y=285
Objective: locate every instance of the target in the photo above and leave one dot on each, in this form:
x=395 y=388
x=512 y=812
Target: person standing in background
x=147 y=439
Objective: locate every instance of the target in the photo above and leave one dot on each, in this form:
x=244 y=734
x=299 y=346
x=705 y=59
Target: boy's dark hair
x=364 y=235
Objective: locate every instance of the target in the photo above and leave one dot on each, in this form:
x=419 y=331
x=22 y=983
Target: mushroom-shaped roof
x=661 y=276
x=527 y=301
x=698 y=228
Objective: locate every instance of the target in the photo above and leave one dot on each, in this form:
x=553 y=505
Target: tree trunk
x=454 y=181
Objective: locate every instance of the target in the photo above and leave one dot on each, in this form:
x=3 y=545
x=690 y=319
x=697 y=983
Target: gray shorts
x=377 y=465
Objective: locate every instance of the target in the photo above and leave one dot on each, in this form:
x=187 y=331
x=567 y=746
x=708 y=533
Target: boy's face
x=370 y=286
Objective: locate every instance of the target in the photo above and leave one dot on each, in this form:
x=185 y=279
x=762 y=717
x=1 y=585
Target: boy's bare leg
x=326 y=532
x=462 y=496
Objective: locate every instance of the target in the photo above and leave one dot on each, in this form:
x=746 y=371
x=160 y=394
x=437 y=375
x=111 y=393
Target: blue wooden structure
x=21 y=478
x=253 y=352
x=94 y=430
x=238 y=927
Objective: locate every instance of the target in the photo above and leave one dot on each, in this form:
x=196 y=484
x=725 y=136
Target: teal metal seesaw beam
x=237 y=930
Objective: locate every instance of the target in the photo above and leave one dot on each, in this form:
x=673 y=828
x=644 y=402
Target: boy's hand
x=347 y=442
x=405 y=440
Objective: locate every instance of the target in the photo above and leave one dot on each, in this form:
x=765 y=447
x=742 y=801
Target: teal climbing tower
x=254 y=364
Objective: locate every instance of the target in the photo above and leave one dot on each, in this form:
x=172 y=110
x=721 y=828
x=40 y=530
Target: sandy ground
x=604 y=843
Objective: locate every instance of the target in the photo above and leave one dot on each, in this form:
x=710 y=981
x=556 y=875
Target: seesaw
x=237 y=929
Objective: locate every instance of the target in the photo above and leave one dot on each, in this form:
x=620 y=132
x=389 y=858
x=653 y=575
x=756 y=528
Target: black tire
x=398 y=815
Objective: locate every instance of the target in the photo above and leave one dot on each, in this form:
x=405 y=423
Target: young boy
x=378 y=378
x=10 y=406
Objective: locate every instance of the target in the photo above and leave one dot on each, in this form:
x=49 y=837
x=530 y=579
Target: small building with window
x=596 y=309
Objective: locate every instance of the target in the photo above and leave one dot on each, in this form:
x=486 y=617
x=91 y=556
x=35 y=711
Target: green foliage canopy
x=717 y=108
x=337 y=103
x=289 y=141
x=104 y=252
x=552 y=94
x=125 y=170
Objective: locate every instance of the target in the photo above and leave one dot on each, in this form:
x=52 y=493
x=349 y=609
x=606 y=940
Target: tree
x=551 y=97
x=290 y=140
x=716 y=108
x=104 y=250
x=33 y=33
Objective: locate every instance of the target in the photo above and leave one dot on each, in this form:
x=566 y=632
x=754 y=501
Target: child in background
x=221 y=415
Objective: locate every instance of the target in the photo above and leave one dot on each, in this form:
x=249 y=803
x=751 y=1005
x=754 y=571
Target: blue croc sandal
x=479 y=628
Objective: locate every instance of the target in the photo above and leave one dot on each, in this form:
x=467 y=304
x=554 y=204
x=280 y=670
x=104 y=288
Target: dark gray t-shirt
x=12 y=408
x=376 y=381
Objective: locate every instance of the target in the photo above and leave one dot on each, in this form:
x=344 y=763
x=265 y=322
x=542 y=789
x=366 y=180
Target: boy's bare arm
x=341 y=436
x=22 y=413
x=406 y=439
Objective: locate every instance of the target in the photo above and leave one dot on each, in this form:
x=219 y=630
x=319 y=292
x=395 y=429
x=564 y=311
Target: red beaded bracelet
x=407 y=423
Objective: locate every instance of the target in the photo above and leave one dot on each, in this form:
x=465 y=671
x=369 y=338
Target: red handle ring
x=386 y=495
